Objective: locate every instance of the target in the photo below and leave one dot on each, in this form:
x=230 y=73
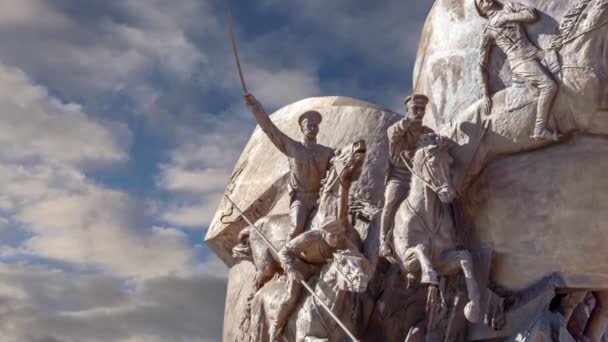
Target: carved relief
x=431 y=282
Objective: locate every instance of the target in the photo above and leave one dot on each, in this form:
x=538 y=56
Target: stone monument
x=494 y=227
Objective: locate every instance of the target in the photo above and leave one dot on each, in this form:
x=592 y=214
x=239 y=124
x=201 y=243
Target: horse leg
x=287 y=303
x=596 y=326
x=423 y=255
x=266 y=268
x=452 y=262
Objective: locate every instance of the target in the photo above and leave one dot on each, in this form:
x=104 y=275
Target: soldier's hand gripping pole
x=304 y=283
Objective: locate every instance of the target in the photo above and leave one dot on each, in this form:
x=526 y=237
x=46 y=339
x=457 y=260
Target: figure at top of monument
x=402 y=137
x=308 y=162
x=505 y=29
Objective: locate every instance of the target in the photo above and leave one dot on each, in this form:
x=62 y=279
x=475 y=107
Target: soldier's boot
x=548 y=90
x=541 y=133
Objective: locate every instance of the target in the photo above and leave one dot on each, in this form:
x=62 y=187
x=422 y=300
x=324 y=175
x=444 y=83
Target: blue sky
x=121 y=122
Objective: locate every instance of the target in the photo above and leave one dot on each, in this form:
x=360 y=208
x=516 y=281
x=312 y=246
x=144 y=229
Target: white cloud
x=36 y=125
x=15 y=13
x=282 y=87
x=195 y=213
x=42 y=304
x=100 y=53
x=197 y=172
x=45 y=148
x=177 y=179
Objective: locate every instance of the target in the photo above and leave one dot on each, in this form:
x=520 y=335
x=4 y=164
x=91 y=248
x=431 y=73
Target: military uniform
x=306 y=255
x=402 y=137
x=507 y=31
x=308 y=165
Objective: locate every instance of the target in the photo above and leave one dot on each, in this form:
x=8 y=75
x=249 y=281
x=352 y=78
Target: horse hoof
x=472 y=312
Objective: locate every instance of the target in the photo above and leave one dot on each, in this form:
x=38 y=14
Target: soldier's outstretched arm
x=283 y=142
x=521 y=13
x=396 y=130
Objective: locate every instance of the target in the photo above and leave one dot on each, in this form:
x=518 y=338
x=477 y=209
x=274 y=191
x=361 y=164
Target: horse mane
x=427 y=141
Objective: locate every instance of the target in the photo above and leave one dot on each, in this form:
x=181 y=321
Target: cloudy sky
x=120 y=122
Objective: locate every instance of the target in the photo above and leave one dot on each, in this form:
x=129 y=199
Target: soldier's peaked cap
x=310 y=115
x=417 y=99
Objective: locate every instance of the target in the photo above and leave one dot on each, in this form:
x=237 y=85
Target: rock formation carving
x=470 y=195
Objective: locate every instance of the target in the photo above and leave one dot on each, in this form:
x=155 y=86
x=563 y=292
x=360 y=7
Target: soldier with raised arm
x=308 y=162
x=506 y=30
x=402 y=137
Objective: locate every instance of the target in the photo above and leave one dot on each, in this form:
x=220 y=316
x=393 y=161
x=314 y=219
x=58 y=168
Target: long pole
x=304 y=283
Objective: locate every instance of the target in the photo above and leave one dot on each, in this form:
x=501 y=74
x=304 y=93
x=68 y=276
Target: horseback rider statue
x=402 y=137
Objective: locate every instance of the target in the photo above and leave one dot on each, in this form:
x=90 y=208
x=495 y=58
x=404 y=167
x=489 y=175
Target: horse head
x=349 y=161
x=432 y=165
x=352 y=271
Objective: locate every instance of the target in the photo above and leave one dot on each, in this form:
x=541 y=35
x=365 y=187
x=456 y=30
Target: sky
x=120 y=123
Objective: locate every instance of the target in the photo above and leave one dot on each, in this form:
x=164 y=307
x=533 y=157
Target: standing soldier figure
x=402 y=137
x=506 y=30
x=308 y=162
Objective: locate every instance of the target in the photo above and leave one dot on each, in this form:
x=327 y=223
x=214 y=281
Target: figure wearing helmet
x=506 y=30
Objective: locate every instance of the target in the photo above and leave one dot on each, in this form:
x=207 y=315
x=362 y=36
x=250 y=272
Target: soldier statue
x=505 y=29
x=402 y=137
x=308 y=162
x=304 y=256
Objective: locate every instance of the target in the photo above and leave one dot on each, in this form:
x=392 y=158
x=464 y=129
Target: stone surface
x=546 y=211
x=528 y=211
x=527 y=204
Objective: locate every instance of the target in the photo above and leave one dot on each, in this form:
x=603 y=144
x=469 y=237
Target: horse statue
x=339 y=283
x=424 y=234
x=347 y=273
x=333 y=203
